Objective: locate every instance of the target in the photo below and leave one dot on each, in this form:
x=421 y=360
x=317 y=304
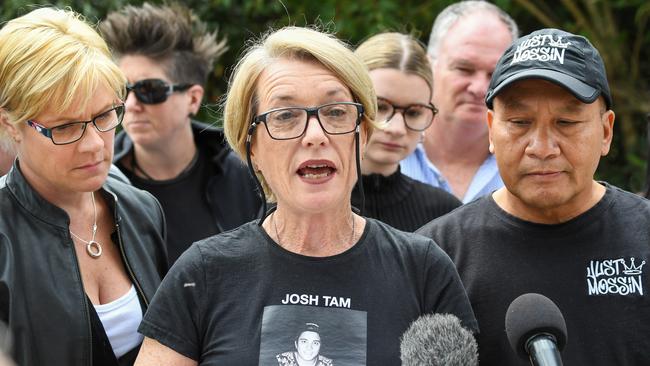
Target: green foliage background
x=618 y=28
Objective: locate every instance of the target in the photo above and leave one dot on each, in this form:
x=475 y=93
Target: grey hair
x=451 y=14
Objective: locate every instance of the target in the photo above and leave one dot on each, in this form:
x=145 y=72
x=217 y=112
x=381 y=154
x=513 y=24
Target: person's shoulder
x=381 y=229
x=434 y=194
x=626 y=206
x=285 y=358
x=124 y=191
x=242 y=242
x=324 y=361
x=213 y=140
x=464 y=216
x=122 y=144
x=626 y=198
x=386 y=237
x=408 y=247
x=224 y=253
x=134 y=200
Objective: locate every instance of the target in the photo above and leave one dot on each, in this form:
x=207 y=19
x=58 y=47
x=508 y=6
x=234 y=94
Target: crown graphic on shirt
x=632 y=269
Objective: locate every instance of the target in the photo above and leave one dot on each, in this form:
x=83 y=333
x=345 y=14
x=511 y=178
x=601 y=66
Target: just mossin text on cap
x=560 y=57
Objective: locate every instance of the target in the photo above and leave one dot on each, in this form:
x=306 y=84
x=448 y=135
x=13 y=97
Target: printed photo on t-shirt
x=294 y=335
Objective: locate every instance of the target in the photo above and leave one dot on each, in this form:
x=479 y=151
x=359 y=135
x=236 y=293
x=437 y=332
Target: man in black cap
x=553 y=229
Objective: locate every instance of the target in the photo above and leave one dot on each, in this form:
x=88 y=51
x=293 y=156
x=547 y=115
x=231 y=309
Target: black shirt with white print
x=238 y=298
x=594 y=267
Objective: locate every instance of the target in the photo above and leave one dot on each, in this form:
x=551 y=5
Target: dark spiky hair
x=170 y=34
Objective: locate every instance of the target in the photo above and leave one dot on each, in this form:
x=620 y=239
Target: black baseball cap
x=560 y=57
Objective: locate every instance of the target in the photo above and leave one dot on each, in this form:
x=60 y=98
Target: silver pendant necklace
x=93 y=248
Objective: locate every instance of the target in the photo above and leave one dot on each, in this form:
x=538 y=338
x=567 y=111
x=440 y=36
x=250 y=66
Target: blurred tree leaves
x=618 y=28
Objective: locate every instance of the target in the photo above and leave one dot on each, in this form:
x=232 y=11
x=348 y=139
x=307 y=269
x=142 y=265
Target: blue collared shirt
x=485 y=181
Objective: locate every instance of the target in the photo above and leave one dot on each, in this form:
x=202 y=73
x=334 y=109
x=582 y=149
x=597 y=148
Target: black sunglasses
x=153 y=91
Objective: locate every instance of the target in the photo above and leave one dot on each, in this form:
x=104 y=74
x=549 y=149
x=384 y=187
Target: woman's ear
x=12 y=130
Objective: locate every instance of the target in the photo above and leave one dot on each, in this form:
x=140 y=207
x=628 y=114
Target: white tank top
x=121 y=319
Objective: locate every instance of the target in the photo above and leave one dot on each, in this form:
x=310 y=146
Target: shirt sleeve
x=444 y=292
x=174 y=315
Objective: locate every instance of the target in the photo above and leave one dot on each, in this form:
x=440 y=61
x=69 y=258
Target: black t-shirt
x=184 y=202
x=594 y=267
x=238 y=298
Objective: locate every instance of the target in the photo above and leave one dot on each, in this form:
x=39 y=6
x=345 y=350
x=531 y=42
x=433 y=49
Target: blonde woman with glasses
x=81 y=255
x=299 y=109
x=401 y=75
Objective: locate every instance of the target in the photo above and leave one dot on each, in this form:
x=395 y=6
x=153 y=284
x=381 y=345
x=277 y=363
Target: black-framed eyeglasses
x=291 y=122
x=417 y=117
x=154 y=91
x=68 y=133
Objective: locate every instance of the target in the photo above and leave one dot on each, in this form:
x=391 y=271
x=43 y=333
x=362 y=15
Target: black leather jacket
x=231 y=192
x=41 y=292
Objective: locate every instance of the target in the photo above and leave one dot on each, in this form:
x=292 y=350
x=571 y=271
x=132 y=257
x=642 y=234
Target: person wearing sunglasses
x=167 y=55
x=81 y=253
x=401 y=75
x=299 y=109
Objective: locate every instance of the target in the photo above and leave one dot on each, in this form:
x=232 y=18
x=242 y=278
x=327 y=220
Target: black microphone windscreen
x=531 y=314
x=437 y=340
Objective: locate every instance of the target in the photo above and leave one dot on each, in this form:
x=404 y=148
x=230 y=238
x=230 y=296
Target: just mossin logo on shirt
x=615 y=277
x=543 y=47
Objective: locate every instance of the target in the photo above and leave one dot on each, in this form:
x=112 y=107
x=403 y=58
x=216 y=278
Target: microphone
x=437 y=340
x=536 y=329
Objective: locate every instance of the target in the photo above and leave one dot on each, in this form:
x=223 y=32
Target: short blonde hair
x=51 y=58
x=292 y=43
x=396 y=51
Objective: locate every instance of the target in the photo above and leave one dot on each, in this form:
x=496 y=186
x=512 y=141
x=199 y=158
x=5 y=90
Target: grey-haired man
x=553 y=229
x=466 y=41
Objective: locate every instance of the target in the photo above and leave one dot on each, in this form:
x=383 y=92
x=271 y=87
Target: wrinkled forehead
x=290 y=80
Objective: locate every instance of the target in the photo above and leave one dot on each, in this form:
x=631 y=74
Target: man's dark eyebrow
x=573 y=106
x=512 y=103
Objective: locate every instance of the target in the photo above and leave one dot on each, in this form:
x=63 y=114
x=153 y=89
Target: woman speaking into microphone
x=300 y=108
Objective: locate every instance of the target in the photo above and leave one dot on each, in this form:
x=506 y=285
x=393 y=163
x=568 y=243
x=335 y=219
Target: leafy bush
x=622 y=43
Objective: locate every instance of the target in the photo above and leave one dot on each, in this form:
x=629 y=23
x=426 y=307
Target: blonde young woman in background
x=401 y=75
x=81 y=255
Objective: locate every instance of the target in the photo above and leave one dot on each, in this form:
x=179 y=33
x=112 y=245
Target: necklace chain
x=93 y=248
x=277 y=234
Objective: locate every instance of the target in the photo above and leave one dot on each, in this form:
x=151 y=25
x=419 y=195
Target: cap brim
x=580 y=90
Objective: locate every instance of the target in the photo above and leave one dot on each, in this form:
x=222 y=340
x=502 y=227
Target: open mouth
x=316 y=170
